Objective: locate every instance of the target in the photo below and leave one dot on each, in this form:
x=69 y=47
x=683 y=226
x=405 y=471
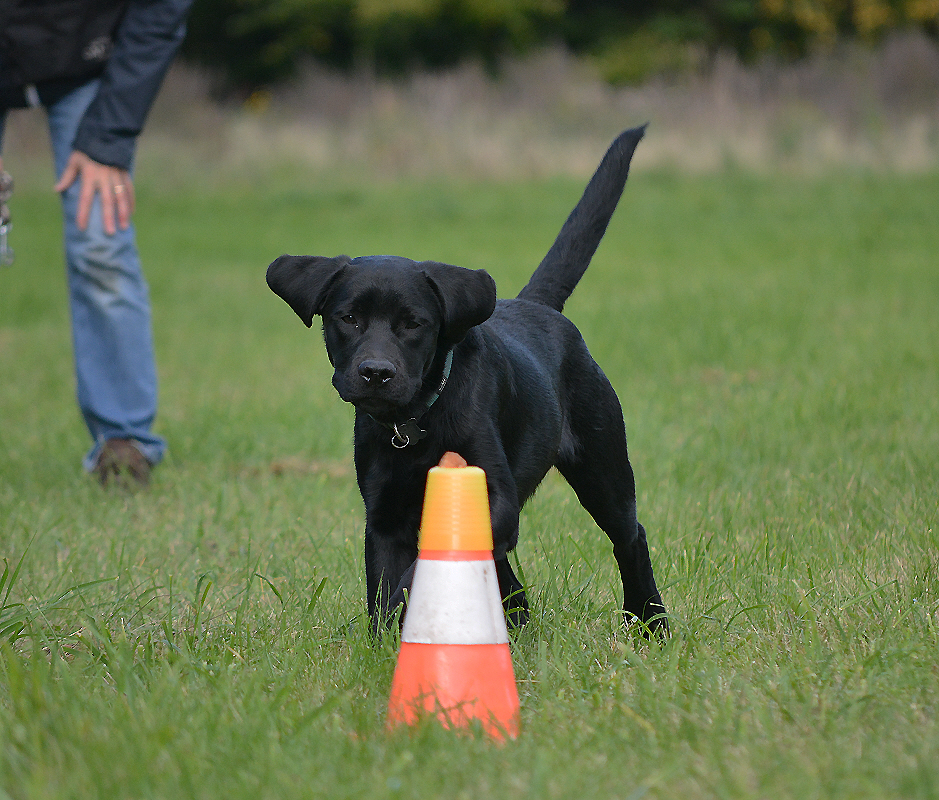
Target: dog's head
x=385 y=319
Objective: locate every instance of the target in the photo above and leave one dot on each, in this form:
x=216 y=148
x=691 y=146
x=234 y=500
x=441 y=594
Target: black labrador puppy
x=433 y=362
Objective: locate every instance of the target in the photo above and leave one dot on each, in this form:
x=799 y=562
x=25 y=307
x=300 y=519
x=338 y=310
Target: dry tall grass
x=550 y=114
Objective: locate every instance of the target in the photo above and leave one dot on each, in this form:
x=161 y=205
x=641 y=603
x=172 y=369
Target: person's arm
x=146 y=43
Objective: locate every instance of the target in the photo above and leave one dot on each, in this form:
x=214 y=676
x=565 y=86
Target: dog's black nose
x=374 y=371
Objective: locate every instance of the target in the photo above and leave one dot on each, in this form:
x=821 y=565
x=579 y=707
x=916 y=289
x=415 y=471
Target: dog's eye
x=350 y=320
x=411 y=324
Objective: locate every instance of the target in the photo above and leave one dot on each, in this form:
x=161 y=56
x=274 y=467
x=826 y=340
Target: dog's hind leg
x=609 y=497
x=597 y=467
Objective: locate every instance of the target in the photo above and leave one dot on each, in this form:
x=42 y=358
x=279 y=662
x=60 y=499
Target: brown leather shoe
x=121 y=464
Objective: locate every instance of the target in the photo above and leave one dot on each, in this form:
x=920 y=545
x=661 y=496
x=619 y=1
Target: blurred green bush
x=253 y=43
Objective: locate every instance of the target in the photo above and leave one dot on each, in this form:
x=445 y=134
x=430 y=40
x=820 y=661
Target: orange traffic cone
x=454 y=660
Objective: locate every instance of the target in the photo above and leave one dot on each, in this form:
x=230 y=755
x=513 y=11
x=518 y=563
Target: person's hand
x=113 y=184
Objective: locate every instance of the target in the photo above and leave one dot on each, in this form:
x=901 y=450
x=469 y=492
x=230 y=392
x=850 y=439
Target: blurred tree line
x=254 y=43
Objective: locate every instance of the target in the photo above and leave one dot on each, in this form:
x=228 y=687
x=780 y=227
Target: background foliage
x=258 y=42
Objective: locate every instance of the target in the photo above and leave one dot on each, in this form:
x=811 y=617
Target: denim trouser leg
x=110 y=310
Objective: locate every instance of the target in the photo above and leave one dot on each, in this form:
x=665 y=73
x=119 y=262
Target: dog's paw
x=652 y=625
x=516 y=610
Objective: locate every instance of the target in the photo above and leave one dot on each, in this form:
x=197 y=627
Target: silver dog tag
x=406 y=433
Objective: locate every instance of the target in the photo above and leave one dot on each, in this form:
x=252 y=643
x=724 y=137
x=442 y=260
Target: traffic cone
x=454 y=661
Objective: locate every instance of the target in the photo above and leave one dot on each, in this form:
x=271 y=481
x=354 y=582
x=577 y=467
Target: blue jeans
x=110 y=309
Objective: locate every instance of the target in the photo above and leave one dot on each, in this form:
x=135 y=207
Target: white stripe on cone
x=455 y=602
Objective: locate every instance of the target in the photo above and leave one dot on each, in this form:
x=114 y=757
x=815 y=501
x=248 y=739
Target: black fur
x=523 y=394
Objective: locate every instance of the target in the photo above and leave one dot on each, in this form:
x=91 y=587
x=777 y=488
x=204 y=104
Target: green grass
x=775 y=344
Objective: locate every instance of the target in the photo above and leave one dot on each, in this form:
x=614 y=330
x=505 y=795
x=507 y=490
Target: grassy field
x=775 y=344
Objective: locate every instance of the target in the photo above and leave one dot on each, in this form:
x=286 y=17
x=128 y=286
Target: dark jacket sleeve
x=146 y=43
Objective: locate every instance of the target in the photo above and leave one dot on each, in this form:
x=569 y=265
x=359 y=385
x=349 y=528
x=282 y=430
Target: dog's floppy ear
x=468 y=297
x=303 y=282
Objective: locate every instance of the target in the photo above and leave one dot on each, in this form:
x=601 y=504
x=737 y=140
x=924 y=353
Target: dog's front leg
x=389 y=560
x=504 y=510
x=392 y=488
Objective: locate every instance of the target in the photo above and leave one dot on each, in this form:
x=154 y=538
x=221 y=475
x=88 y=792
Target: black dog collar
x=409 y=432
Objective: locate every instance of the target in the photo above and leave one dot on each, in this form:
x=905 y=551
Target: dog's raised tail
x=569 y=256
